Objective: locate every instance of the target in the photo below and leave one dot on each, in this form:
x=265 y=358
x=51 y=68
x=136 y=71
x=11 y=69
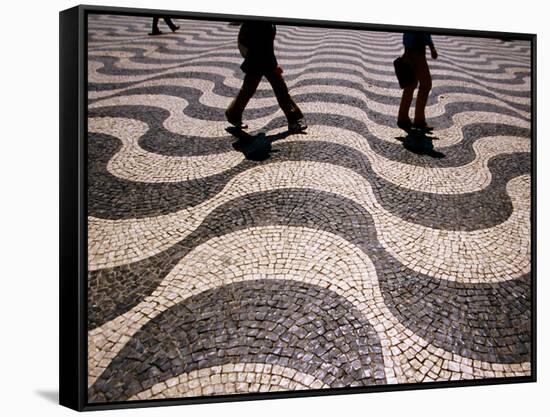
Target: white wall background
x=29 y=206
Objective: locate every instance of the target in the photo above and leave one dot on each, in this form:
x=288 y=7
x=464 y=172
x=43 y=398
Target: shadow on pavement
x=420 y=143
x=255 y=147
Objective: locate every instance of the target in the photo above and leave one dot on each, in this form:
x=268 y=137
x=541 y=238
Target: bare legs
x=405 y=105
x=424 y=84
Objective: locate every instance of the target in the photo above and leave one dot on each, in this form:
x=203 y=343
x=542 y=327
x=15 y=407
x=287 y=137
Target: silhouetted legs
x=251 y=81
x=234 y=112
x=405 y=105
x=289 y=107
x=424 y=84
x=167 y=20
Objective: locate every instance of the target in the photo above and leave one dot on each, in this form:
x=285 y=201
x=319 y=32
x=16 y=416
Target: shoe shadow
x=255 y=147
x=420 y=143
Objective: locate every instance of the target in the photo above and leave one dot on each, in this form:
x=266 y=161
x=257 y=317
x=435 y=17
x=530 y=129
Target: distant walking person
x=167 y=20
x=256 y=41
x=415 y=54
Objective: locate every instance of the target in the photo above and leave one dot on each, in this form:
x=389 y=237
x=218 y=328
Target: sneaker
x=297 y=126
x=173 y=29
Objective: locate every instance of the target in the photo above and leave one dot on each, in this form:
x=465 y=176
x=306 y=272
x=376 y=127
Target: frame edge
x=77 y=124
x=71 y=393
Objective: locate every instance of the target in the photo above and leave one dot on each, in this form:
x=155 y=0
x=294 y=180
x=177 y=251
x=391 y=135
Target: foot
x=297 y=126
x=406 y=124
x=155 y=32
x=422 y=126
x=173 y=29
x=237 y=123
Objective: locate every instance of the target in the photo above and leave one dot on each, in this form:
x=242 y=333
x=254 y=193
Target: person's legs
x=170 y=24
x=405 y=105
x=424 y=87
x=234 y=112
x=403 y=119
x=155 y=29
x=289 y=107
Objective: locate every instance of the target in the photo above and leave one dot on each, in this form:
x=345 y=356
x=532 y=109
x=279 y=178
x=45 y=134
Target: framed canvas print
x=255 y=207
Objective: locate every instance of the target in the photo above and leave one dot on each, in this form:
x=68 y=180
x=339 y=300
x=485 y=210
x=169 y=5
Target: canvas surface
x=355 y=254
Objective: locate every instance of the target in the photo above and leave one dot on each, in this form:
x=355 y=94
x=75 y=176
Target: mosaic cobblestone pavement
x=348 y=256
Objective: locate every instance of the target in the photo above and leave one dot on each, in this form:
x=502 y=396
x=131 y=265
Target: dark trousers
x=250 y=84
x=167 y=20
x=424 y=84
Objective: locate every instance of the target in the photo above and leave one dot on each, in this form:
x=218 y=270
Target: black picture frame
x=73 y=207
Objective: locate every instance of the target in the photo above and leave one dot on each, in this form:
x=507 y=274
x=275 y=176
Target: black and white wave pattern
x=348 y=256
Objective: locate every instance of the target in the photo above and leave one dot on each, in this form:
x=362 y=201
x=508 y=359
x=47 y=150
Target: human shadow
x=255 y=147
x=420 y=142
